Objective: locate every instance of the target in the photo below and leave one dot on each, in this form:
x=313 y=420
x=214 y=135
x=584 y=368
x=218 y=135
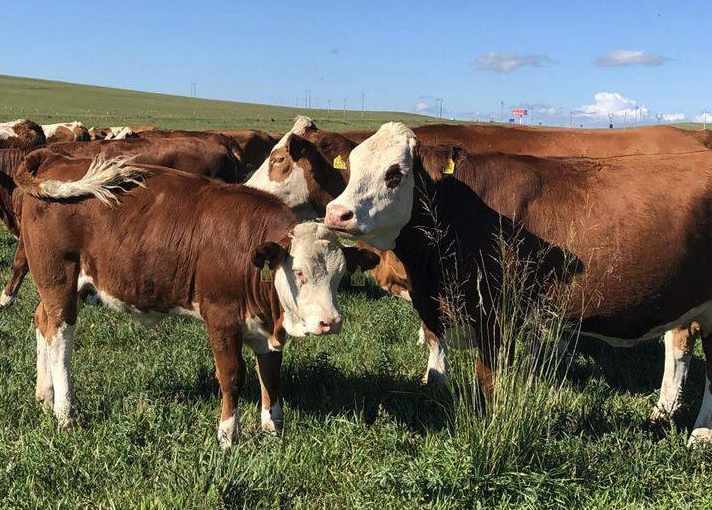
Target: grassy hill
x=52 y=101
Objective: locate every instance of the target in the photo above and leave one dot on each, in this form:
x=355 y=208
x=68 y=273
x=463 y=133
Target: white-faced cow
x=178 y=243
x=66 y=132
x=638 y=228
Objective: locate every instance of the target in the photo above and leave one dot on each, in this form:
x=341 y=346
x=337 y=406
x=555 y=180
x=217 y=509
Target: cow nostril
x=346 y=216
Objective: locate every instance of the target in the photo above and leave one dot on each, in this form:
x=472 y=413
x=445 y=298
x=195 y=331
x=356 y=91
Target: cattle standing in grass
x=66 y=132
x=639 y=228
x=200 y=157
x=177 y=244
x=21 y=134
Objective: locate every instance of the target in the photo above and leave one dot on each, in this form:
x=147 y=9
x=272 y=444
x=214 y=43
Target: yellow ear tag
x=450 y=167
x=339 y=163
x=358 y=279
x=266 y=274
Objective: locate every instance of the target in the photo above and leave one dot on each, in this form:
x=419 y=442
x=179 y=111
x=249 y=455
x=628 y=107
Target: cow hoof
x=658 y=415
x=272 y=418
x=45 y=398
x=700 y=437
x=6 y=300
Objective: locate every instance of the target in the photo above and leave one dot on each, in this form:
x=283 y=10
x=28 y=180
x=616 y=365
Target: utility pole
x=501 y=112
x=328 y=106
x=344 y=107
x=704 y=118
x=363 y=103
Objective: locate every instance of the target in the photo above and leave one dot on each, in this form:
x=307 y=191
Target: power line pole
x=501 y=112
x=363 y=103
x=344 y=107
x=704 y=118
x=328 y=106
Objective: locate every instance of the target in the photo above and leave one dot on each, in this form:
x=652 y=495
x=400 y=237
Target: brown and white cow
x=200 y=157
x=231 y=256
x=637 y=226
x=255 y=145
x=21 y=134
x=66 y=132
x=550 y=142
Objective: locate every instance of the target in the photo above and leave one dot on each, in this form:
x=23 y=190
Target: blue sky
x=592 y=58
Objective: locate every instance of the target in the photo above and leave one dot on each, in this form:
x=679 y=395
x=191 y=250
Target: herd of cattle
x=155 y=223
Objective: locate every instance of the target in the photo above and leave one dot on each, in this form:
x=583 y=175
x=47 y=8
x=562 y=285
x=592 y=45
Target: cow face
x=378 y=198
x=306 y=277
x=283 y=172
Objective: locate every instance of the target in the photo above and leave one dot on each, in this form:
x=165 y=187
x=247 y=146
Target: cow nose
x=339 y=216
x=331 y=327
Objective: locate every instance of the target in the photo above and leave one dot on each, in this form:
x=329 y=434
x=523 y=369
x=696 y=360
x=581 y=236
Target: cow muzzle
x=340 y=218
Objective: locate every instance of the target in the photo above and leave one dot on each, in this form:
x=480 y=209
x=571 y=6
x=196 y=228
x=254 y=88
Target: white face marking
x=293 y=190
x=59 y=355
x=380 y=212
x=271 y=418
x=307 y=280
x=51 y=129
x=677 y=363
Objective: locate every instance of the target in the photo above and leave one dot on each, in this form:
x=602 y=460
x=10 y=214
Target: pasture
x=360 y=430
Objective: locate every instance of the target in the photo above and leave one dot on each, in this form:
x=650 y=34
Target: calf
x=630 y=283
x=200 y=157
x=66 y=132
x=231 y=256
x=21 y=134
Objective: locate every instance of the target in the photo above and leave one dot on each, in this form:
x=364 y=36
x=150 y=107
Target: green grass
x=361 y=432
x=51 y=101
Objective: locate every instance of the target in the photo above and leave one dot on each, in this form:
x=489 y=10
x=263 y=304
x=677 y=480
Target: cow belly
x=701 y=314
x=148 y=318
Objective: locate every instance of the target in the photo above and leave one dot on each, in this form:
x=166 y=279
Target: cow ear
x=271 y=253
x=296 y=146
x=361 y=257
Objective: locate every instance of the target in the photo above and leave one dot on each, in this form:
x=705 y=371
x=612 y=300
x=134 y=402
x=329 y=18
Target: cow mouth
x=347 y=231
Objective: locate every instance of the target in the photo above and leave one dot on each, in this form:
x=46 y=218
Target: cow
x=636 y=227
x=178 y=244
x=228 y=142
x=66 y=132
x=21 y=134
x=201 y=157
x=549 y=142
x=255 y=145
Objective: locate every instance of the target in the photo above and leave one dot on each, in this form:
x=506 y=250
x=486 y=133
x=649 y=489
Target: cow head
x=283 y=174
x=378 y=198
x=307 y=275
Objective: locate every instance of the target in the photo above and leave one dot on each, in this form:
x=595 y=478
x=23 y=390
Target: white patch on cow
x=271 y=418
x=44 y=389
x=316 y=252
x=379 y=211
x=146 y=318
x=421 y=336
x=256 y=337
x=59 y=355
x=702 y=432
x=701 y=314
x=404 y=294
x=6 y=299
x=7 y=129
x=677 y=363
x=51 y=129
x=227 y=429
x=436 y=373
x=118 y=133
x=293 y=190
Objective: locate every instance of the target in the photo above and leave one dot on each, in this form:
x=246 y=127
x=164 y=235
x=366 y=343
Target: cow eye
x=299 y=275
x=393 y=176
x=277 y=159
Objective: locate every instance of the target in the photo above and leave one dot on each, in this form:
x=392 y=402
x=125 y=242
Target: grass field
x=361 y=432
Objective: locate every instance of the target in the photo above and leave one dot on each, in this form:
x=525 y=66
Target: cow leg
x=44 y=390
x=230 y=370
x=702 y=432
x=436 y=372
x=268 y=368
x=17 y=275
x=679 y=344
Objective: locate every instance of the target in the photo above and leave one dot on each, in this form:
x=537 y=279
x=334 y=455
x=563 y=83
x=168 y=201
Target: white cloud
x=506 y=62
x=627 y=58
x=607 y=103
x=705 y=117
